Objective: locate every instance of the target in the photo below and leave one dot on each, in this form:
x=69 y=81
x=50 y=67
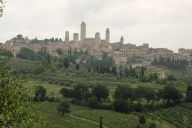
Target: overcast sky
x=161 y=23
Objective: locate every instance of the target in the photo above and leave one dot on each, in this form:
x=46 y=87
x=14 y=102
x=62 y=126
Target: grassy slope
x=71 y=77
x=82 y=117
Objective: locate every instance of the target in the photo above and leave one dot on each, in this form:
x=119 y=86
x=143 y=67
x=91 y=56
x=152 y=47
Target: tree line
x=126 y=99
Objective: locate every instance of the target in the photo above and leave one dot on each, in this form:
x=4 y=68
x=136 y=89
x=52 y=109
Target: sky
x=161 y=23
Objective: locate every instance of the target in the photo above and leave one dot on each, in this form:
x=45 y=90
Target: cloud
x=161 y=23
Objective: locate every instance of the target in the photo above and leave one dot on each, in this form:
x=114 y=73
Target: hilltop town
x=123 y=53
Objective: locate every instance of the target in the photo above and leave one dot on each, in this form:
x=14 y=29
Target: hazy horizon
x=161 y=23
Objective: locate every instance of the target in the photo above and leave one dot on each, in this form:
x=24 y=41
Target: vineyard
x=82 y=117
x=110 y=119
x=180 y=116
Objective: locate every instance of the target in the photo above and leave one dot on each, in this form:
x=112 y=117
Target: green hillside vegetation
x=92 y=88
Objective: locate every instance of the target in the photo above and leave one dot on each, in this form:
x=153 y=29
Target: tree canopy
x=101 y=92
x=1 y=7
x=17 y=110
x=63 y=107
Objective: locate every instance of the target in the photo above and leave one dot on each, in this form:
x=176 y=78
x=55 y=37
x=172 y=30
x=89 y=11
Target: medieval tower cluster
x=86 y=42
x=123 y=53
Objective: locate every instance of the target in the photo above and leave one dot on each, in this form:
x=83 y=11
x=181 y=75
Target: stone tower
x=97 y=38
x=83 y=31
x=76 y=37
x=107 y=35
x=122 y=40
x=67 y=37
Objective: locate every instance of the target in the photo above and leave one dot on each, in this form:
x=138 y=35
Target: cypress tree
x=101 y=122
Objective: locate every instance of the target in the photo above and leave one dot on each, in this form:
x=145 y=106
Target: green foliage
x=63 y=107
x=66 y=63
x=28 y=54
x=39 y=68
x=101 y=122
x=142 y=120
x=149 y=77
x=171 y=78
x=16 y=109
x=152 y=125
x=68 y=93
x=59 y=52
x=123 y=92
x=83 y=117
x=4 y=52
x=1 y=7
x=189 y=94
x=40 y=94
x=101 y=92
x=122 y=105
x=180 y=116
x=81 y=92
x=170 y=94
x=145 y=93
x=178 y=65
x=93 y=102
x=77 y=66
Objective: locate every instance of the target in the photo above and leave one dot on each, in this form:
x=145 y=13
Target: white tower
x=83 y=31
x=107 y=35
x=67 y=37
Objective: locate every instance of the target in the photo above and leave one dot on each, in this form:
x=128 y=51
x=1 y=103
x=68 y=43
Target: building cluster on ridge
x=122 y=53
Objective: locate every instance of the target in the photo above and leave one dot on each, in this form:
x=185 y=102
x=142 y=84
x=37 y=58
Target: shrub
x=122 y=105
x=63 y=107
x=92 y=102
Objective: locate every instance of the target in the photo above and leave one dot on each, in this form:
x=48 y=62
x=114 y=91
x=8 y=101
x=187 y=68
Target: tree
x=122 y=105
x=66 y=63
x=59 y=51
x=28 y=54
x=126 y=72
x=2 y=5
x=16 y=107
x=189 y=94
x=63 y=107
x=101 y=122
x=81 y=92
x=171 y=78
x=4 y=52
x=92 y=102
x=40 y=94
x=152 y=125
x=123 y=92
x=143 y=69
x=170 y=94
x=142 y=120
x=68 y=93
x=145 y=93
x=120 y=71
x=101 y=92
x=77 y=66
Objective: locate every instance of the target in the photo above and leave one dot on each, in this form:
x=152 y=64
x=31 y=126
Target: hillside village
x=123 y=53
